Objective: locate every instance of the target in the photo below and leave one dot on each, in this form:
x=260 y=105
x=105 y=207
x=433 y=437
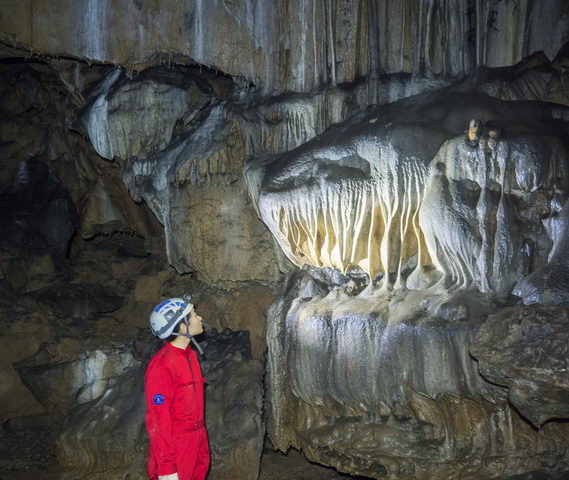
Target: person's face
x=195 y=323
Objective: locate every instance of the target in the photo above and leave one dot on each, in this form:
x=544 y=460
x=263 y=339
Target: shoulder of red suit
x=162 y=357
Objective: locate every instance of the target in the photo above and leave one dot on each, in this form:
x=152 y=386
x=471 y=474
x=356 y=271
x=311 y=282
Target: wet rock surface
x=410 y=231
x=130 y=118
x=294 y=46
x=401 y=192
x=62 y=377
x=112 y=423
x=195 y=185
x=370 y=373
x=530 y=359
x=548 y=285
x=419 y=407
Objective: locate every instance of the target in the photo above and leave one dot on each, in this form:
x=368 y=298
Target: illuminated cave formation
x=442 y=202
x=404 y=193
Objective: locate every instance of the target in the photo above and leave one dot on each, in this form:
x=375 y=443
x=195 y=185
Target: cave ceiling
x=289 y=45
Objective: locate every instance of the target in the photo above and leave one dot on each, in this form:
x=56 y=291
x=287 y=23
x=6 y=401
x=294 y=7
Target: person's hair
x=176 y=330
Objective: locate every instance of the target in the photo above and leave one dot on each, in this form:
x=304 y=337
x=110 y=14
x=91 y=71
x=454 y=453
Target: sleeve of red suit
x=159 y=392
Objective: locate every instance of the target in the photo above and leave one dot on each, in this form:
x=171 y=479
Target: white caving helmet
x=168 y=314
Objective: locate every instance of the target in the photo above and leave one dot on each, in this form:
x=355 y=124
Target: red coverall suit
x=175 y=415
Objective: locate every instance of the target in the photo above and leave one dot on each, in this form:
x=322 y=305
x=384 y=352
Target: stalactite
x=370 y=201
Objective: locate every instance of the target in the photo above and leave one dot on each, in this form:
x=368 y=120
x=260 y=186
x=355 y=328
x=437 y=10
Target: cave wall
x=358 y=390
x=150 y=139
x=81 y=266
x=291 y=46
x=405 y=345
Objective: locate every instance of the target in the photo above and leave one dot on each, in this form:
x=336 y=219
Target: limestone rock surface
x=234 y=405
x=549 y=285
x=28 y=273
x=411 y=223
x=17 y=342
x=361 y=371
x=419 y=407
x=92 y=303
x=110 y=211
x=79 y=301
x=247 y=310
x=402 y=193
x=40 y=126
x=138 y=117
x=198 y=175
x=62 y=380
x=114 y=424
x=195 y=189
x=294 y=46
x=530 y=359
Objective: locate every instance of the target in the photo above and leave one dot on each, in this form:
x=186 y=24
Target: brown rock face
x=28 y=274
x=195 y=188
x=215 y=232
x=527 y=350
x=19 y=342
x=91 y=304
x=69 y=378
x=241 y=309
x=247 y=310
x=234 y=401
x=149 y=288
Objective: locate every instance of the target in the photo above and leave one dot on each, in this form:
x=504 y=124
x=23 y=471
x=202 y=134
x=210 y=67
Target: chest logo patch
x=158 y=399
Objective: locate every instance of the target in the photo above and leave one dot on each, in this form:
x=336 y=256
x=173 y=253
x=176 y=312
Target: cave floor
x=31 y=454
x=27 y=454
x=293 y=466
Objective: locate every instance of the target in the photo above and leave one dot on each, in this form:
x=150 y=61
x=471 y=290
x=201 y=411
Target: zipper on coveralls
x=193 y=377
x=194 y=385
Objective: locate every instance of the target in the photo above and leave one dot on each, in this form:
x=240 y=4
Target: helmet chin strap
x=187 y=335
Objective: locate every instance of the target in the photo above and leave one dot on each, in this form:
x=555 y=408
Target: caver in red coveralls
x=175 y=415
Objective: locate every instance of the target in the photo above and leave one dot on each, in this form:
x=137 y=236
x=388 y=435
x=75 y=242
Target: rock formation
x=400 y=192
x=531 y=359
x=408 y=163
x=431 y=210
x=81 y=266
x=291 y=46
